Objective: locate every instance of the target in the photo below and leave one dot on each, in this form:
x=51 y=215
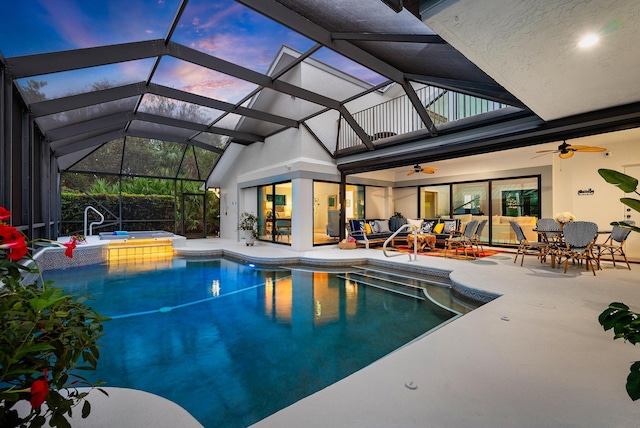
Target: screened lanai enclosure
x=105 y=100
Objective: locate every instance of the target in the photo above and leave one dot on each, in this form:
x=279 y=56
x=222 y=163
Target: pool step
x=436 y=289
x=393 y=285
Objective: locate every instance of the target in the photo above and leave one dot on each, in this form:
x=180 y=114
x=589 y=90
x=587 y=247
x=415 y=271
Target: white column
x=302 y=214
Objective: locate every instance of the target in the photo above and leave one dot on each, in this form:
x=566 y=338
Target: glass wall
x=275 y=211
x=435 y=201
x=514 y=199
x=497 y=201
x=354 y=202
x=326 y=212
x=470 y=198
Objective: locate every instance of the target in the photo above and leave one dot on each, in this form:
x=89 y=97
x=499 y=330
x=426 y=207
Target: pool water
x=232 y=343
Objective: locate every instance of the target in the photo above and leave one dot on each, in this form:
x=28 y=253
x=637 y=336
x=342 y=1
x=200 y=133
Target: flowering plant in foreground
x=564 y=217
x=45 y=336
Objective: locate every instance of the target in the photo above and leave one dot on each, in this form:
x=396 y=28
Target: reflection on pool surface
x=233 y=344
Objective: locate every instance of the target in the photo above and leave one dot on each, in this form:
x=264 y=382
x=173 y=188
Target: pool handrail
x=89 y=207
x=415 y=247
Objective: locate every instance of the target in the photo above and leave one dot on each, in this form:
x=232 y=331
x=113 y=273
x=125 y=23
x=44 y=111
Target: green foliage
x=134 y=207
x=625 y=325
x=45 y=336
x=249 y=221
x=627 y=184
x=143 y=199
x=617 y=316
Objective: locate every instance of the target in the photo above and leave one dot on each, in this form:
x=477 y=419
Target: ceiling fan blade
x=544 y=153
x=410 y=173
x=547 y=151
x=429 y=170
x=588 y=149
x=566 y=155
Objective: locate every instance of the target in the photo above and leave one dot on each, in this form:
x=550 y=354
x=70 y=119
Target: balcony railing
x=397 y=116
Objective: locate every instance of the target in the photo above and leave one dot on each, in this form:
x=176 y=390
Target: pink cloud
x=215 y=19
x=72 y=24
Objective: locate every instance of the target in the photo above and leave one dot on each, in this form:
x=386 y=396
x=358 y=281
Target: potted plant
x=249 y=225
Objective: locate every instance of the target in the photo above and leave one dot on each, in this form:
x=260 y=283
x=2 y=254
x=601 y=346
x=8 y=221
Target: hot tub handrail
x=89 y=207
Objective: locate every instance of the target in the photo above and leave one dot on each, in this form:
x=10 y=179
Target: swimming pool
x=233 y=343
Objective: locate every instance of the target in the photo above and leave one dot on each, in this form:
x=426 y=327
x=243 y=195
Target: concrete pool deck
x=534 y=357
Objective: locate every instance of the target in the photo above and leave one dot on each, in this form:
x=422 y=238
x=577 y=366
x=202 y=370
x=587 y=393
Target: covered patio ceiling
x=187 y=71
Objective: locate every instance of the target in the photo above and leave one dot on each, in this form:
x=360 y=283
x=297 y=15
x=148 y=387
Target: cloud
x=202 y=81
x=72 y=25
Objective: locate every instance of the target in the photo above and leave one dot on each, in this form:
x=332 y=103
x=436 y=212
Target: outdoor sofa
x=376 y=231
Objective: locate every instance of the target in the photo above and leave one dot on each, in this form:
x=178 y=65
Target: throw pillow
x=415 y=223
x=367 y=228
x=383 y=226
x=427 y=226
x=449 y=225
x=374 y=226
x=438 y=228
x=362 y=226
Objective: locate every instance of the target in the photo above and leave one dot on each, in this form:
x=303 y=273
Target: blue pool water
x=232 y=343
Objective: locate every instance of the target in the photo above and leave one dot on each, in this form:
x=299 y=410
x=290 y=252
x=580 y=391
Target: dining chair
x=283 y=227
x=614 y=245
x=526 y=247
x=475 y=239
x=549 y=229
x=462 y=240
x=578 y=239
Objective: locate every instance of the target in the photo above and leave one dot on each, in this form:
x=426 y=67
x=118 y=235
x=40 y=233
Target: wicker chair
x=458 y=239
x=475 y=239
x=578 y=242
x=614 y=245
x=526 y=247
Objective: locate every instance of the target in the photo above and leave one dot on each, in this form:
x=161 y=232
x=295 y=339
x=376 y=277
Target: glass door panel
x=435 y=201
x=518 y=200
x=326 y=213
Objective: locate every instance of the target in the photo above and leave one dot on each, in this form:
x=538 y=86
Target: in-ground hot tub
x=120 y=234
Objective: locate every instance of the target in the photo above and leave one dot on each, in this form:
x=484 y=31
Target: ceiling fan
x=565 y=150
x=417 y=169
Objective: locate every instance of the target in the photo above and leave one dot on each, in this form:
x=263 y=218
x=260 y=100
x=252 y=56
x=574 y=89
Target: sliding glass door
x=275 y=202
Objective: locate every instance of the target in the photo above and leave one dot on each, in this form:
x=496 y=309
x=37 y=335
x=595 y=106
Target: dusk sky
x=222 y=28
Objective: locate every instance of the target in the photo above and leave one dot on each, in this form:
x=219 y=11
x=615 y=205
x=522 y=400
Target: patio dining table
x=555 y=239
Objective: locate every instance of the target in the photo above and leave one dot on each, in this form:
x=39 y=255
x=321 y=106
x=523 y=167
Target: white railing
x=93 y=223
x=415 y=246
x=398 y=116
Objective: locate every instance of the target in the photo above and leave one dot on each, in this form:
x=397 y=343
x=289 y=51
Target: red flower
x=4 y=214
x=13 y=240
x=39 y=391
x=70 y=247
